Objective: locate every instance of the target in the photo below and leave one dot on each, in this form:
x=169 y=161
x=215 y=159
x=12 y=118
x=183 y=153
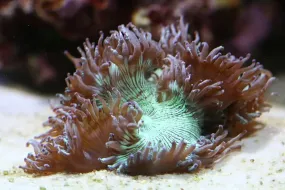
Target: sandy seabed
x=259 y=165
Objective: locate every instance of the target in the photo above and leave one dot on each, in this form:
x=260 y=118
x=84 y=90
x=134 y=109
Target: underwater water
x=32 y=61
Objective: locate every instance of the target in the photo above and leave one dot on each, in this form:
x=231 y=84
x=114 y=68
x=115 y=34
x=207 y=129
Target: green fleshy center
x=172 y=120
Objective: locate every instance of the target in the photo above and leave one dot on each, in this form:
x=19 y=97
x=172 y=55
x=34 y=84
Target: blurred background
x=35 y=33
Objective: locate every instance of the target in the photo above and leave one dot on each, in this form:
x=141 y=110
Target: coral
x=138 y=106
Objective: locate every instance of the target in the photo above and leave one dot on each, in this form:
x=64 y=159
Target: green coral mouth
x=162 y=122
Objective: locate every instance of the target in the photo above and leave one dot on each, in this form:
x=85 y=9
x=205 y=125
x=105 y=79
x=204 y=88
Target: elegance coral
x=139 y=106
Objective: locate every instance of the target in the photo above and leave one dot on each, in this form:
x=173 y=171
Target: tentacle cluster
x=179 y=157
x=103 y=66
x=69 y=144
x=216 y=81
x=138 y=106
